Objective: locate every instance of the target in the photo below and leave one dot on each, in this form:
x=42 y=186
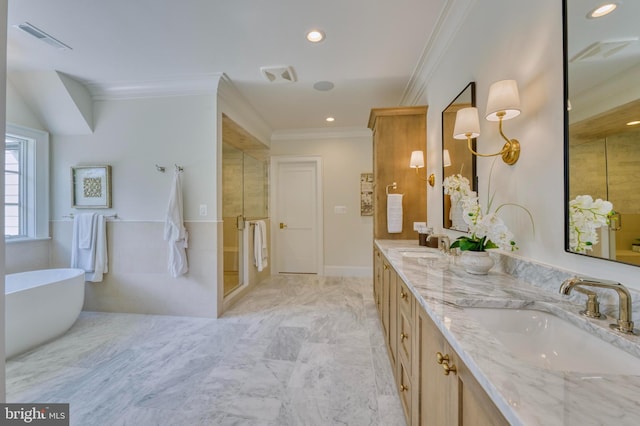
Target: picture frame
x=91 y=187
x=366 y=194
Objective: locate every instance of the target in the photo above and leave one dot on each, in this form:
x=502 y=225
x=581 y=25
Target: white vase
x=476 y=262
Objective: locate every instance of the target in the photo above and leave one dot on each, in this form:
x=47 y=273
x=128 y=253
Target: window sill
x=25 y=240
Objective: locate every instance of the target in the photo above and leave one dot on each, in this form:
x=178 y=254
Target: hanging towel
x=394 y=213
x=91 y=228
x=260 y=245
x=85 y=223
x=174 y=231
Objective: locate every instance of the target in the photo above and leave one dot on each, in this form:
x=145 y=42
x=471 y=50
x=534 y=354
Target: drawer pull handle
x=403 y=336
x=404 y=388
x=444 y=361
x=403 y=295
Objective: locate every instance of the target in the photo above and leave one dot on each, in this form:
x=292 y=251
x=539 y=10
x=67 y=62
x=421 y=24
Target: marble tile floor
x=297 y=350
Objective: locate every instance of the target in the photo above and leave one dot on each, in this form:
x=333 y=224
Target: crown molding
x=451 y=17
x=206 y=84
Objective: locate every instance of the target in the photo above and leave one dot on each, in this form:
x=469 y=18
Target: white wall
x=515 y=40
x=23 y=255
x=348 y=237
x=3 y=110
x=132 y=135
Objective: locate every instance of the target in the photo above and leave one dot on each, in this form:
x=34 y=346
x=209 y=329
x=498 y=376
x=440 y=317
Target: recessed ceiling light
x=315 y=36
x=330 y=119
x=323 y=86
x=633 y=123
x=603 y=10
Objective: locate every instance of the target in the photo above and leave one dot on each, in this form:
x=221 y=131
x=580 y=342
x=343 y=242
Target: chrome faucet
x=624 y=323
x=443 y=241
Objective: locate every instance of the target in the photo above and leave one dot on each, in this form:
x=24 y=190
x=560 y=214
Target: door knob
x=282 y=225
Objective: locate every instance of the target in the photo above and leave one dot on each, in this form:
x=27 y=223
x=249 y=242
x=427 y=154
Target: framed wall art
x=366 y=194
x=91 y=187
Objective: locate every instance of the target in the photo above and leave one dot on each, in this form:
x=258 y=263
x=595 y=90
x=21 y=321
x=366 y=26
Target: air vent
x=281 y=74
x=39 y=34
x=602 y=50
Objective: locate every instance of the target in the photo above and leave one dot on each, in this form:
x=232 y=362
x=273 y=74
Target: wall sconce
x=503 y=104
x=417 y=162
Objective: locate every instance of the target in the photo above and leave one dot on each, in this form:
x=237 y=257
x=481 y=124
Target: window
x=26 y=187
x=14 y=187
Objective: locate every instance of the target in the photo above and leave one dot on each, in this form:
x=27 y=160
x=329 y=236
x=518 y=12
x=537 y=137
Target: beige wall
x=138 y=280
x=348 y=238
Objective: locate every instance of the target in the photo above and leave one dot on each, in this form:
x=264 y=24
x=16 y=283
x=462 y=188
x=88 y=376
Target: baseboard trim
x=349 y=271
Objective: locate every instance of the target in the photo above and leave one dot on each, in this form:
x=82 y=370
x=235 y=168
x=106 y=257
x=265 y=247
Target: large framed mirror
x=457 y=159
x=602 y=143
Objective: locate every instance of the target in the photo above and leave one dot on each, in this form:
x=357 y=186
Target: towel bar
x=107 y=216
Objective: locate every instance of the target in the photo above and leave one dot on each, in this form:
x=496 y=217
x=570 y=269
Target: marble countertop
x=526 y=395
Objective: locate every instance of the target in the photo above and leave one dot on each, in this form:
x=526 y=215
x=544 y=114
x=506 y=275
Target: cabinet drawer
x=404 y=388
x=405 y=336
x=405 y=300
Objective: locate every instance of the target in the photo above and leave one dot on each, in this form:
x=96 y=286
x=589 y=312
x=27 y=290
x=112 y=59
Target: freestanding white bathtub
x=40 y=306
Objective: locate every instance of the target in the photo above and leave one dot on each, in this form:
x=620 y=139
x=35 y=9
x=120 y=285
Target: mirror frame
x=566 y=135
x=474 y=171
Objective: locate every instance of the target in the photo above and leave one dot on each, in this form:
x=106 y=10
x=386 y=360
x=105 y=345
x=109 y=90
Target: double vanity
x=503 y=348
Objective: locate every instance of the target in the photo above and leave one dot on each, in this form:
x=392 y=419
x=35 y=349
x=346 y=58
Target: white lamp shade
x=503 y=96
x=466 y=123
x=446 y=158
x=417 y=160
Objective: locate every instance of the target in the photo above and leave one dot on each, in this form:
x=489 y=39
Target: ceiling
x=370 y=52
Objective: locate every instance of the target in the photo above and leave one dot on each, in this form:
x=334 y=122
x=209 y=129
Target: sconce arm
x=431 y=179
x=510 y=152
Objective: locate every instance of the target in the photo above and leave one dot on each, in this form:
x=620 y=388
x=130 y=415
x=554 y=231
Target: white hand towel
x=260 y=253
x=84 y=223
x=83 y=258
x=394 y=213
x=174 y=231
x=101 y=259
x=93 y=259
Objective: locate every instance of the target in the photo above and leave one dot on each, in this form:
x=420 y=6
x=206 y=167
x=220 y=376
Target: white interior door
x=297 y=217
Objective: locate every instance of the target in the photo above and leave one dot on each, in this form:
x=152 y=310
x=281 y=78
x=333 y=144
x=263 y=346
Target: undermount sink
x=550 y=342
x=419 y=254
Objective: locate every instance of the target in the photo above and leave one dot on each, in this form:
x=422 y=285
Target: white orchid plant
x=486 y=229
x=457 y=187
x=586 y=215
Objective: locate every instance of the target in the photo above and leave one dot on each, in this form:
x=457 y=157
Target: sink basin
x=424 y=255
x=549 y=342
x=419 y=254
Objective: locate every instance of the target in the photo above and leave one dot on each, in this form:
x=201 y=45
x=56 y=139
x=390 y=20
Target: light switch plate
x=340 y=209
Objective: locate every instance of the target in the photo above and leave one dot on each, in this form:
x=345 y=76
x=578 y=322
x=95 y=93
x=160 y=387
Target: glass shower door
x=233 y=218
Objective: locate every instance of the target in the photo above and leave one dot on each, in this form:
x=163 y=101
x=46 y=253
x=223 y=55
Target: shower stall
x=245 y=198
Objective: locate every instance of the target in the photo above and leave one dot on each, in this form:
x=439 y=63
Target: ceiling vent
x=280 y=74
x=602 y=50
x=39 y=34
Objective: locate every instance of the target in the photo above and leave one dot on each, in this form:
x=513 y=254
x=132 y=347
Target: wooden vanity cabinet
x=405 y=369
x=390 y=310
x=377 y=280
x=448 y=392
x=428 y=395
x=396 y=133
